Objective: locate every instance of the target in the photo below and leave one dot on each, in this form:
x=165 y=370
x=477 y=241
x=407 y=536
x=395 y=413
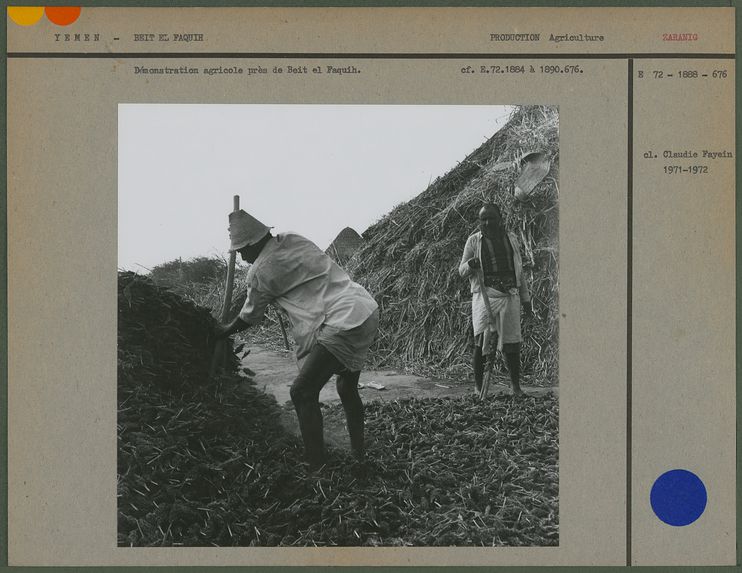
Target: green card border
x=346 y=3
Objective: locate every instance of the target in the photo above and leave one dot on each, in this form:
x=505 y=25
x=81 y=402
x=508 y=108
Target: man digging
x=492 y=260
x=334 y=322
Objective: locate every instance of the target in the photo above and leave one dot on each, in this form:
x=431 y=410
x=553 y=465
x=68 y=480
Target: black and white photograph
x=338 y=325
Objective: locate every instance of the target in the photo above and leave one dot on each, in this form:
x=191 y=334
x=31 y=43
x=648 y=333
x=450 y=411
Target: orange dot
x=25 y=15
x=63 y=15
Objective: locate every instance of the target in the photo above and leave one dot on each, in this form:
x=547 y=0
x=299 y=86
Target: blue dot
x=678 y=497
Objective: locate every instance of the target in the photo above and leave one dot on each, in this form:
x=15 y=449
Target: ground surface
x=275 y=371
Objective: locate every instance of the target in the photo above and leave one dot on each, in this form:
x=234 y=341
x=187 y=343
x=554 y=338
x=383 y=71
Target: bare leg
x=513 y=359
x=478 y=363
x=347 y=387
x=320 y=365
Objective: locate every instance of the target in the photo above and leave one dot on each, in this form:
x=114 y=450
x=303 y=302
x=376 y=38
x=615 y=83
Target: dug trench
x=275 y=370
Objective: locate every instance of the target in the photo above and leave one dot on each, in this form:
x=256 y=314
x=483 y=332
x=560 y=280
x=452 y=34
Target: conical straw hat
x=244 y=230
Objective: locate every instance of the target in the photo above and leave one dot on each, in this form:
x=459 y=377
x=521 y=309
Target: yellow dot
x=25 y=15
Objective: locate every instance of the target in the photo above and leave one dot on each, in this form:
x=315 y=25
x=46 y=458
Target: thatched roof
x=409 y=258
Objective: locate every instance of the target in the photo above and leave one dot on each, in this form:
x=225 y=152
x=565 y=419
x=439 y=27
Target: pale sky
x=312 y=169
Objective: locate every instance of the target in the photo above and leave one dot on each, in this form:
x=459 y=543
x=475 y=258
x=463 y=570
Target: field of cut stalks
x=205 y=462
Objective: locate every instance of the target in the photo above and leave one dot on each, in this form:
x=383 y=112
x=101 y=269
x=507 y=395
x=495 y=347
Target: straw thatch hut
x=409 y=258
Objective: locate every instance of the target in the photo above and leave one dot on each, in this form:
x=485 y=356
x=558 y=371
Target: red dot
x=62 y=15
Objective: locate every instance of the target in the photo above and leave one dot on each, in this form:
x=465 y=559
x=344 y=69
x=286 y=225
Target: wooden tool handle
x=485 y=296
x=219 y=357
x=230 y=274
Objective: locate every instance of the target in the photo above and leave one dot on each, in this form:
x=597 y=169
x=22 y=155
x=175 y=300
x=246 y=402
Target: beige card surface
x=131 y=129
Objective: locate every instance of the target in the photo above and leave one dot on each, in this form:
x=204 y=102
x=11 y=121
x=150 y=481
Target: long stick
x=220 y=350
x=486 y=383
x=230 y=273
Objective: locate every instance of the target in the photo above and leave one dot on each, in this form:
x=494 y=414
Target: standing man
x=492 y=262
x=334 y=322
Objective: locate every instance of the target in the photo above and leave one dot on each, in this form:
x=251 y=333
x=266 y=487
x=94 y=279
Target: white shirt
x=313 y=290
